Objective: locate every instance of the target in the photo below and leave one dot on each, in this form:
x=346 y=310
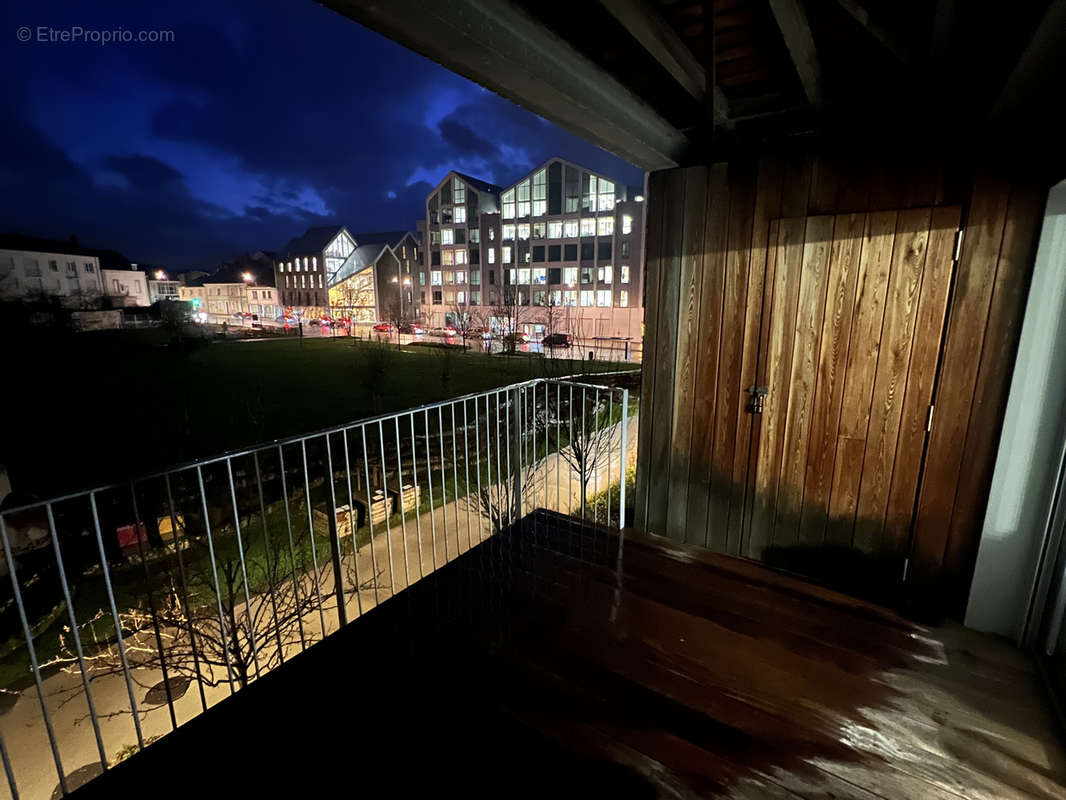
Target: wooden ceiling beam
x=796 y=30
x=1034 y=77
x=657 y=36
x=859 y=13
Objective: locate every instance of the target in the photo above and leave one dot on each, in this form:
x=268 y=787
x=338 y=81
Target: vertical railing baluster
x=516 y=431
x=610 y=440
x=498 y=508
x=455 y=486
x=418 y=496
x=403 y=513
x=388 y=511
x=477 y=457
x=244 y=569
x=583 y=462
x=11 y=784
x=292 y=550
x=334 y=537
x=151 y=607
x=598 y=439
x=311 y=535
x=119 y=639
x=443 y=485
x=559 y=447
x=508 y=407
x=77 y=637
x=351 y=524
x=432 y=507
x=623 y=460
x=268 y=552
x=370 y=511
x=223 y=636
x=32 y=652
x=466 y=467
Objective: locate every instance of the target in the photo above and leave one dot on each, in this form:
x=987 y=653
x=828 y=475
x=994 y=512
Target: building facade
x=241 y=287
x=126 y=286
x=161 y=287
x=32 y=269
x=302 y=267
x=563 y=242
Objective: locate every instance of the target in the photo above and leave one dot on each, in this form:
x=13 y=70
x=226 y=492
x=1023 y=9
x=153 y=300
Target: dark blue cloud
x=260 y=118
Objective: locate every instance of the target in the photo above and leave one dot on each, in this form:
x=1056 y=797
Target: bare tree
x=226 y=625
x=508 y=316
x=588 y=435
x=396 y=315
x=462 y=321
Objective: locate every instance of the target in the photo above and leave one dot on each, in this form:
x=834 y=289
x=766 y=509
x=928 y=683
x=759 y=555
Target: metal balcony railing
x=135 y=607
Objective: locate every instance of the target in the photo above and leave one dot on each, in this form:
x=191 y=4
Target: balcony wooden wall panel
x=709 y=329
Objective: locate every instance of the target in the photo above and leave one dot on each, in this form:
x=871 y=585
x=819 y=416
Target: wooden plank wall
x=709 y=282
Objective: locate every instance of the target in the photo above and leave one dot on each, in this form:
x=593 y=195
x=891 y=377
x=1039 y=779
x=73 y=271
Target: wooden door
x=854 y=308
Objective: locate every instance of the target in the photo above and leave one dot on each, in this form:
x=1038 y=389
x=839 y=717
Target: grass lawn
x=108 y=405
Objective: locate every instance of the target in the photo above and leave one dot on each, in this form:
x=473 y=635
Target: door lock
x=758 y=398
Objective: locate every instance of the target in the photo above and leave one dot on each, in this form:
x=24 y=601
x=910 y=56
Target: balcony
x=447 y=601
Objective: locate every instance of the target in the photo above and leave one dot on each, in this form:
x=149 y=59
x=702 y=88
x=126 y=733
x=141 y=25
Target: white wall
x=1030 y=446
x=16 y=282
x=127 y=283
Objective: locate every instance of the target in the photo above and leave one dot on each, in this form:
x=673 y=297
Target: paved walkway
x=386 y=565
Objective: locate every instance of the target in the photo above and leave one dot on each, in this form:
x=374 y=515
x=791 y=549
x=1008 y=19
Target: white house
x=126 y=286
x=32 y=268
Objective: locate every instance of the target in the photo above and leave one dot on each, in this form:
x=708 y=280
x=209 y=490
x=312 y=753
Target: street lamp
x=160 y=275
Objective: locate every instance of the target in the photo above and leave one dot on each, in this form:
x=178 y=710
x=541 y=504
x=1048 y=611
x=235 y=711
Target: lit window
x=421 y=279
x=523 y=231
x=588 y=198
x=460 y=214
x=605 y=226
x=555 y=230
x=458 y=192
x=314 y=262
x=570 y=229
x=447 y=236
x=507 y=233
x=570 y=298
x=603 y=298
x=512 y=276
x=605 y=274
x=624 y=274
x=461 y=257
x=475 y=278
x=588 y=226
x=492 y=255
x=297 y=265
x=492 y=234
x=606 y=195
x=540 y=275
x=627 y=224
x=588 y=298
x=475 y=235
x=460 y=298
x=570 y=275
x=523 y=276
x=448 y=258
x=434 y=277
x=507 y=198
x=523 y=198
x=449 y=276
x=434 y=237
x=540 y=193
x=623 y=298
x=538 y=230
x=506 y=255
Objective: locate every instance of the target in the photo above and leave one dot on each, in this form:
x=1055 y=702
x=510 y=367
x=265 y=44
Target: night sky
x=263 y=117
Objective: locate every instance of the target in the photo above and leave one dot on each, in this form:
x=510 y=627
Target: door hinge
x=929 y=418
x=958 y=243
x=906 y=565
x=758 y=398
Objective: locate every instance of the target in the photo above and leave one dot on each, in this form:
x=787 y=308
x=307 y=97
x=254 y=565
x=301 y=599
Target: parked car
x=383 y=327
x=446 y=331
x=558 y=340
x=414 y=330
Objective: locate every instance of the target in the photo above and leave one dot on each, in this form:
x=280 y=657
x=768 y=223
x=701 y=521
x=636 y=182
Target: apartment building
x=32 y=268
x=563 y=241
x=243 y=286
